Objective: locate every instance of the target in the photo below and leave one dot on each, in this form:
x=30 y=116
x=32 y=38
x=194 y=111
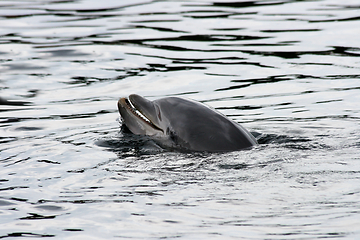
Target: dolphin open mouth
x=128 y=105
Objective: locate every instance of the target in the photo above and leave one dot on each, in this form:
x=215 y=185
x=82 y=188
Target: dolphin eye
x=172 y=135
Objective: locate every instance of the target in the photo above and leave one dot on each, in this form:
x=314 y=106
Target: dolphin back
x=197 y=127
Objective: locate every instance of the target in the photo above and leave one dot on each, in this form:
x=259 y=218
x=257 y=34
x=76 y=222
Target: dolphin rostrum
x=183 y=124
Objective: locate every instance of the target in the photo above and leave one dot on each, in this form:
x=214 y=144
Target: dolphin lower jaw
x=135 y=120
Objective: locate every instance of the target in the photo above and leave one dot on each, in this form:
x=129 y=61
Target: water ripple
x=287 y=70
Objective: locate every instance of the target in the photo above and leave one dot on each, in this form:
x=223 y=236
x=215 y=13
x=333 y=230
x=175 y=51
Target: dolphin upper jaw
x=136 y=120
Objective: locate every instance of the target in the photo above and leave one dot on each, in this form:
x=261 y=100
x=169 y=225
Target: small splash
x=131 y=144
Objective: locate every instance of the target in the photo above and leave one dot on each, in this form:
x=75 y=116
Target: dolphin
x=183 y=124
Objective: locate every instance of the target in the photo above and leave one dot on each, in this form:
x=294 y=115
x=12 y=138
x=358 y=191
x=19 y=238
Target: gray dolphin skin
x=183 y=124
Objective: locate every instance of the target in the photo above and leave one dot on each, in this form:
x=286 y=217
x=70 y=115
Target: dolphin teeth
x=136 y=112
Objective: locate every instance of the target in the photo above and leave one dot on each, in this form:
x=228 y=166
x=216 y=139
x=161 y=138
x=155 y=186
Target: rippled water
x=288 y=70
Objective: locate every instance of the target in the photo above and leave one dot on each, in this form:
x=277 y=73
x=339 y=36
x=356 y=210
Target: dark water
x=289 y=70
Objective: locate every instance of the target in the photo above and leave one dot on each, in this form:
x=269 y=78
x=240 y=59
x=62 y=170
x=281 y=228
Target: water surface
x=288 y=70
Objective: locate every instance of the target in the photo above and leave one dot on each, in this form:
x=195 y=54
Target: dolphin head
x=183 y=124
x=140 y=115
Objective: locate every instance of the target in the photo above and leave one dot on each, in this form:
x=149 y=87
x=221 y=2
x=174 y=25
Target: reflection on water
x=287 y=70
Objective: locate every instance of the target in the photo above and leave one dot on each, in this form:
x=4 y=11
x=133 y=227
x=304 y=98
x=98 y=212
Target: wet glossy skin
x=184 y=124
